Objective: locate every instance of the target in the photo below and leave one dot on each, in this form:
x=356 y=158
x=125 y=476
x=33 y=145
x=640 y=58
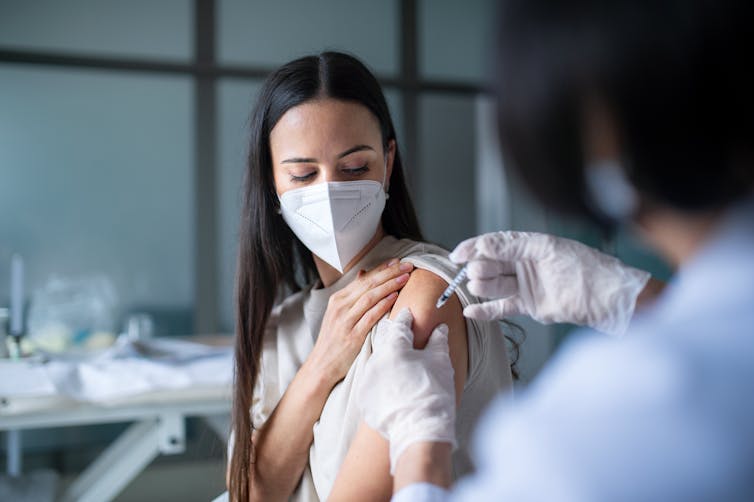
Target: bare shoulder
x=420 y=295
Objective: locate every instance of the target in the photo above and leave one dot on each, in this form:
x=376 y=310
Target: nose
x=331 y=173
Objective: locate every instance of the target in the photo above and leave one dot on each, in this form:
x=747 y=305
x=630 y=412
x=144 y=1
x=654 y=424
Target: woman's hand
x=350 y=315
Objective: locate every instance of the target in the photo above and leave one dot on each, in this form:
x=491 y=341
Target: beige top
x=293 y=329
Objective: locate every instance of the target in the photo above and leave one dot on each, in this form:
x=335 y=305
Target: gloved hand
x=408 y=394
x=550 y=279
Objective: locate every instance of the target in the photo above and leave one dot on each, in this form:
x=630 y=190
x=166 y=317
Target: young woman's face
x=328 y=140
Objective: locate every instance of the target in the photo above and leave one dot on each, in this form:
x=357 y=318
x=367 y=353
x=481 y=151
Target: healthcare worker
x=640 y=112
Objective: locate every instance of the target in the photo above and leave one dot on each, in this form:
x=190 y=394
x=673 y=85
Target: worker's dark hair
x=271 y=260
x=674 y=75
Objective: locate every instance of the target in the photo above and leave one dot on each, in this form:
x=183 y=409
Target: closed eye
x=303 y=177
x=357 y=170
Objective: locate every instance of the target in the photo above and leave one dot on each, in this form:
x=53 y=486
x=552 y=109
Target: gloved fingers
x=405 y=318
x=464 y=251
x=512 y=246
x=379 y=339
x=501 y=286
x=482 y=268
x=438 y=340
x=400 y=333
x=495 y=309
x=395 y=332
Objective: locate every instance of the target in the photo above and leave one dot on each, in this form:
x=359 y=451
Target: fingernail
x=406 y=266
x=401 y=278
x=392 y=262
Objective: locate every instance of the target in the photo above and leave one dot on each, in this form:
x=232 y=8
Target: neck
x=329 y=275
x=678 y=236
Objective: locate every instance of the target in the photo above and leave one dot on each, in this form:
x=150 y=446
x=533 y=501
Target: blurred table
x=158 y=428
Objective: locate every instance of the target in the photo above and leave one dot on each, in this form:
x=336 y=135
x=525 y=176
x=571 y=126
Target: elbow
x=258 y=491
x=255 y=494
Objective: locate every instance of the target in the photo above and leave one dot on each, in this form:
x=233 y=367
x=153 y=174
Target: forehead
x=322 y=125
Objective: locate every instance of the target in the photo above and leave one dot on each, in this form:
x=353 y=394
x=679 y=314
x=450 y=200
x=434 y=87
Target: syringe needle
x=452 y=287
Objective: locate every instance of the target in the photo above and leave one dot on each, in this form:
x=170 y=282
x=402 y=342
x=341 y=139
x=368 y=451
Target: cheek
x=281 y=182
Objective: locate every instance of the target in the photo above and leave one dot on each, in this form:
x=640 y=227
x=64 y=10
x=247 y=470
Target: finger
x=391 y=262
x=464 y=251
x=496 y=309
x=396 y=332
x=374 y=278
x=373 y=315
x=501 y=286
x=511 y=246
x=438 y=340
x=482 y=268
x=370 y=297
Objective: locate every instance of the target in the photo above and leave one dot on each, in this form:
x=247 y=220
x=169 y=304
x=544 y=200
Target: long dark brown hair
x=271 y=260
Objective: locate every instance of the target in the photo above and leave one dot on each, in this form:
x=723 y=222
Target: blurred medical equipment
x=73 y=314
x=16 y=297
x=139 y=327
x=4 y=338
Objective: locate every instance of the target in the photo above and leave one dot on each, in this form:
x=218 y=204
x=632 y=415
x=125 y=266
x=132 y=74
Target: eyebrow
x=357 y=148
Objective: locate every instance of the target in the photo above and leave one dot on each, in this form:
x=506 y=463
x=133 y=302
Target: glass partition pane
x=137 y=28
x=235 y=100
x=272 y=32
x=97 y=179
x=455 y=39
x=445 y=198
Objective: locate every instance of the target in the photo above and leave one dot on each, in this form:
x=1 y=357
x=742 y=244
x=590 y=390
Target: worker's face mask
x=610 y=191
x=336 y=219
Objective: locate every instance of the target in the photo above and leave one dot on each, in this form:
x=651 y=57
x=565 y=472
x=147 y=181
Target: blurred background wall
x=123 y=137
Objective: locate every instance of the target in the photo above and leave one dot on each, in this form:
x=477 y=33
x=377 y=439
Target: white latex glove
x=408 y=394
x=550 y=279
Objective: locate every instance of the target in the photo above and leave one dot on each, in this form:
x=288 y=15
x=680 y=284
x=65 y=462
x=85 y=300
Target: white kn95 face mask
x=335 y=219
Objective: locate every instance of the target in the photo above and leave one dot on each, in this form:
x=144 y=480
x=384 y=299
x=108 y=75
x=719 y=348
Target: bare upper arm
x=365 y=473
x=420 y=295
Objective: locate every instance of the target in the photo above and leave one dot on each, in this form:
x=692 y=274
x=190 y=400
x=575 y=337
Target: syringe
x=452 y=287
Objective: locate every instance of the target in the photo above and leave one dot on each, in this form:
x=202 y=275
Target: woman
x=325 y=200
